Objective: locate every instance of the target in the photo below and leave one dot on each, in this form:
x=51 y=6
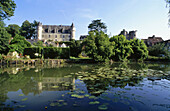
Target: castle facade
x=56 y=32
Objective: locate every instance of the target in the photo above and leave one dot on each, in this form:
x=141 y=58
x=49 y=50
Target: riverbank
x=61 y=61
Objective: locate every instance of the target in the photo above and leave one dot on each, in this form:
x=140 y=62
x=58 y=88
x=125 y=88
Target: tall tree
x=122 y=48
x=97 y=46
x=26 y=30
x=34 y=27
x=97 y=25
x=7 y=8
x=13 y=29
x=4 y=38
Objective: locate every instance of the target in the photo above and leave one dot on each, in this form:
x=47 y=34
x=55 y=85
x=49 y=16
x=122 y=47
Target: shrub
x=31 y=52
x=48 y=52
x=56 y=53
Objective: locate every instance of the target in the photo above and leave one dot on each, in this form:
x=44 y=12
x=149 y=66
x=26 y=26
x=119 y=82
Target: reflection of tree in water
x=35 y=80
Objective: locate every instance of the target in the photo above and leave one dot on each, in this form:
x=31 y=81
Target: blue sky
x=148 y=17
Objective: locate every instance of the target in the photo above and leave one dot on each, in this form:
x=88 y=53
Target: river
x=86 y=87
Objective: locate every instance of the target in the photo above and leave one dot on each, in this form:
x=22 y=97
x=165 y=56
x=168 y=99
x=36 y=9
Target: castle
x=55 y=32
x=130 y=35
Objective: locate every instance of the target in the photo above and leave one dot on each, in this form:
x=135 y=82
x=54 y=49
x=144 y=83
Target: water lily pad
x=24 y=99
x=55 y=87
x=95 y=102
x=21 y=95
x=103 y=107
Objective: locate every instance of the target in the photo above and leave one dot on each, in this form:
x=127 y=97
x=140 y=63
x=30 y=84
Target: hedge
x=48 y=52
x=31 y=52
x=56 y=53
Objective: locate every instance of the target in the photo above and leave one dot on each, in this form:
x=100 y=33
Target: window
x=49 y=36
x=52 y=31
x=46 y=30
x=63 y=36
x=55 y=36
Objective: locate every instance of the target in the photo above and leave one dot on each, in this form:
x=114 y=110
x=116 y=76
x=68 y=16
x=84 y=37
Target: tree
x=7 y=8
x=139 y=48
x=97 y=46
x=75 y=48
x=4 y=39
x=122 y=48
x=19 y=43
x=34 y=27
x=39 y=44
x=13 y=29
x=159 y=49
x=26 y=30
x=168 y=5
x=97 y=25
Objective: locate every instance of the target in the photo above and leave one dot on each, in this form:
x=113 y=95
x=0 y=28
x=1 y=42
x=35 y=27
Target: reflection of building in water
x=56 y=84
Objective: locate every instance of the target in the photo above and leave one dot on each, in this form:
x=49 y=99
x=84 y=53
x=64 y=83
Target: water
x=86 y=87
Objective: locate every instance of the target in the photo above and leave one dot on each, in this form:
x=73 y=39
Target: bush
x=31 y=52
x=48 y=52
x=56 y=53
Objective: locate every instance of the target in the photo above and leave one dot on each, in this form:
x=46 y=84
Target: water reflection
x=83 y=81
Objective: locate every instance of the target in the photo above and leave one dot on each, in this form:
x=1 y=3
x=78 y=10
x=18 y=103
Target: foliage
x=48 y=52
x=75 y=48
x=1 y=57
x=13 y=29
x=122 y=48
x=158 y=50
x=4 y=38
x=139 y=48
x=19 y=43
x=7 y=8
x=26 y=30
x=56 y=53
x=168 y=5
x=32 y=51
x=34 y=27
x=154 y=58
x=39 y=44
x=97 y=46
x=97 y=25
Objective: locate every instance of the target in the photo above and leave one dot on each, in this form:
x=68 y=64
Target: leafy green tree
x=19 y=43
x=26 y=29
x=7 y=8
x=159 y=49
x=97 y=46
x=29 y=30
x=13 y=29
x=39 y=44
x=33 y=29
x=122 y=48
x=75 y=48
x=4 y=38
x=168 y=5
x=97 y=25
x=139 y=48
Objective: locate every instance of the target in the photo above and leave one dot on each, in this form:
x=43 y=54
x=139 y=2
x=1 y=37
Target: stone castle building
x=56 y=32
x=130 y=35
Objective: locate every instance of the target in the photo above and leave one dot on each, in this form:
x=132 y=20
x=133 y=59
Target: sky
x=148 y=17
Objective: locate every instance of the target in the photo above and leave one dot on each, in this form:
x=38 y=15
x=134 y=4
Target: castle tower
x=39 y=31
x=73 y=31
